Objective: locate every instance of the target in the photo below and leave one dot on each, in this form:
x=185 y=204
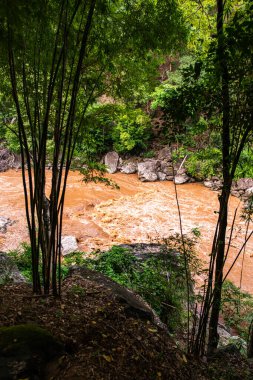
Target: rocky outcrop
x=69 y=245
x=160 y=169
x=8 y=160
x=242 y=188
x=4 y=223
x=111 y=160
x=9 y=270
x=134 y=305
x=145 y=251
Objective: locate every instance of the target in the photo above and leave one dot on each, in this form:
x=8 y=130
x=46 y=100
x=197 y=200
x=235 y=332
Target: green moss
x=22 y=340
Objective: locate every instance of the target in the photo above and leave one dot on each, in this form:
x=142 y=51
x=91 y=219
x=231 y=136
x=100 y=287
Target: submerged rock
x=4 y=223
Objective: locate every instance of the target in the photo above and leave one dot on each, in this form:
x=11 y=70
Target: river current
x=100 y=216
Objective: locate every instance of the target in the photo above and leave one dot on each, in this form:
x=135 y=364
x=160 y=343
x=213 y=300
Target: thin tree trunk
x=227 y=182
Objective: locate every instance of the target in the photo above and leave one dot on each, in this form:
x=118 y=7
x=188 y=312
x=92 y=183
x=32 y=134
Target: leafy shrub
x=131 y=131
x=204 y=163
x=114 y=126
x=245 y=167
x=160 y=280
x=23 y=259
x=237 y=308
x=12 y=141
x=149 y=154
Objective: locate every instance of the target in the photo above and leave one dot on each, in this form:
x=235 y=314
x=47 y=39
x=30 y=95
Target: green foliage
x=160 y=280
x=23 y=259
x=131 y=131
x=149 y=154
x=245 y=167
x=237 y=308
x=204 y=164
x=114 y=126
x=12 y=141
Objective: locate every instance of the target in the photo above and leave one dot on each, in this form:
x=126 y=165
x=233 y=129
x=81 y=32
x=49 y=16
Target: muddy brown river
x=99 y=216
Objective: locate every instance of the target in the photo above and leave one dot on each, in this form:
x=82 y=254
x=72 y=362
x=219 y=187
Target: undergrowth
x=159 y=278
x=237 y=308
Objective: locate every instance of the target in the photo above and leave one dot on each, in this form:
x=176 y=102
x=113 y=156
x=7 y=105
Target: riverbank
x=100 y=217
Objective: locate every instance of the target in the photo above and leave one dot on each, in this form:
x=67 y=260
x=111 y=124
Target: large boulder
x=148 y=170
x=129 y=168
x=181 y=177
x=69 y=245
x=111 y=160
x=9 y=270
x=4 y=223
x=134 y=305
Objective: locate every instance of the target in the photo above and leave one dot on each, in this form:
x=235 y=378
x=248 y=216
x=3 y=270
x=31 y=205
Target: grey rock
x=69 y=245
x=149 y=177
x=235 y=193
x=208 y=184
x=147 y=171
x=167 y=168
x=4 y=223
x=169 y=177
x=249 y=192
x=9 y=270
x=129 y=168
x=111 y=161
x=181 y=177
x=217 y=185
x=8 y=160
x=243 y=184
x=181 y=171
x=161 y=176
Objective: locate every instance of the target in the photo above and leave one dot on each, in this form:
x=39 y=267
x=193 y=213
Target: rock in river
x=4 y=223
x=111 y=161
x=181 y=177
x=147 y=171
x=69 y=245
x=129 y=168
